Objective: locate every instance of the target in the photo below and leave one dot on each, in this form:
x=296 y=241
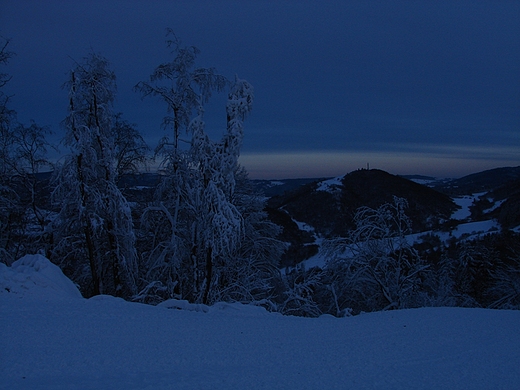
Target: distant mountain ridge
x=473 y=183
x=479 y=182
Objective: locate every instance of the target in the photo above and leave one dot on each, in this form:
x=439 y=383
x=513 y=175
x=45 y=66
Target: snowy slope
x=51 y=342
x=330 y=185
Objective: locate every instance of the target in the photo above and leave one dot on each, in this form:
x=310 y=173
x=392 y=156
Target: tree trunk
x=88 y=231
x=209 y=275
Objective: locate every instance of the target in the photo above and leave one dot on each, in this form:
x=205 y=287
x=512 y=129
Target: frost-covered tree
x=505 y=290
x=130 y=149
x=375 y=267
x=169 y=241
x=483 y=271
x=182 y=86
x=9 y=200
x=300 y=287
x=5 y=56
x=93 y=230
x=204 y=227
x=218 y=224
x=196 y=230
x=7 y=117
x=253 y=273
x=22 y=155
x=30 y=152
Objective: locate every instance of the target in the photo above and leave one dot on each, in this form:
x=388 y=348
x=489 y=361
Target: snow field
x=67 y=342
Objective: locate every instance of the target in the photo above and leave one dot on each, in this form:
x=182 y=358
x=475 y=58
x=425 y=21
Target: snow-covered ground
x=469 y=229
x=465 y=202
x=51 y=338
x=473 y=229
x=330 y=185
x=425 y=181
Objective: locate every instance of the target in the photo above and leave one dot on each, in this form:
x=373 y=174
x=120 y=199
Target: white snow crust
x=36 y=275
x=330 y=185
x=465 y=202
x=53 y=339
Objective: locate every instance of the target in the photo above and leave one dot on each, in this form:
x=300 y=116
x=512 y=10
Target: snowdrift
x=53 y=339
x=35 y=275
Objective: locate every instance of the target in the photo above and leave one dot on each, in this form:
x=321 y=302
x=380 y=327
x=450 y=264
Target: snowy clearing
x=52 y=341
x=475 y=229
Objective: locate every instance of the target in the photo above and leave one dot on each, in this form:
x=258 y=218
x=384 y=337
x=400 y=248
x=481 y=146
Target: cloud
x=337 y=85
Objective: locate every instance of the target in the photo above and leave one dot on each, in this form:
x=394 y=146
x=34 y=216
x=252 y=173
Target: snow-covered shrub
x=300 y=286
x=375 y=267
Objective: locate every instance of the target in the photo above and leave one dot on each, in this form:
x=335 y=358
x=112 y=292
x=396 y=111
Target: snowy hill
x=54 y=339
x=328 y=207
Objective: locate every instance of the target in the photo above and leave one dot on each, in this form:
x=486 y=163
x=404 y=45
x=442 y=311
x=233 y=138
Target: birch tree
x=219 y=226
x=30 y=151
x=130 y=148
x=9 y=201
x=93 y=231
x=252 y=275
x=184 y=88
x=194 y=230
x=22 y=155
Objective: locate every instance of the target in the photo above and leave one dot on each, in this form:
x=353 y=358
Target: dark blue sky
x=426 y=87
